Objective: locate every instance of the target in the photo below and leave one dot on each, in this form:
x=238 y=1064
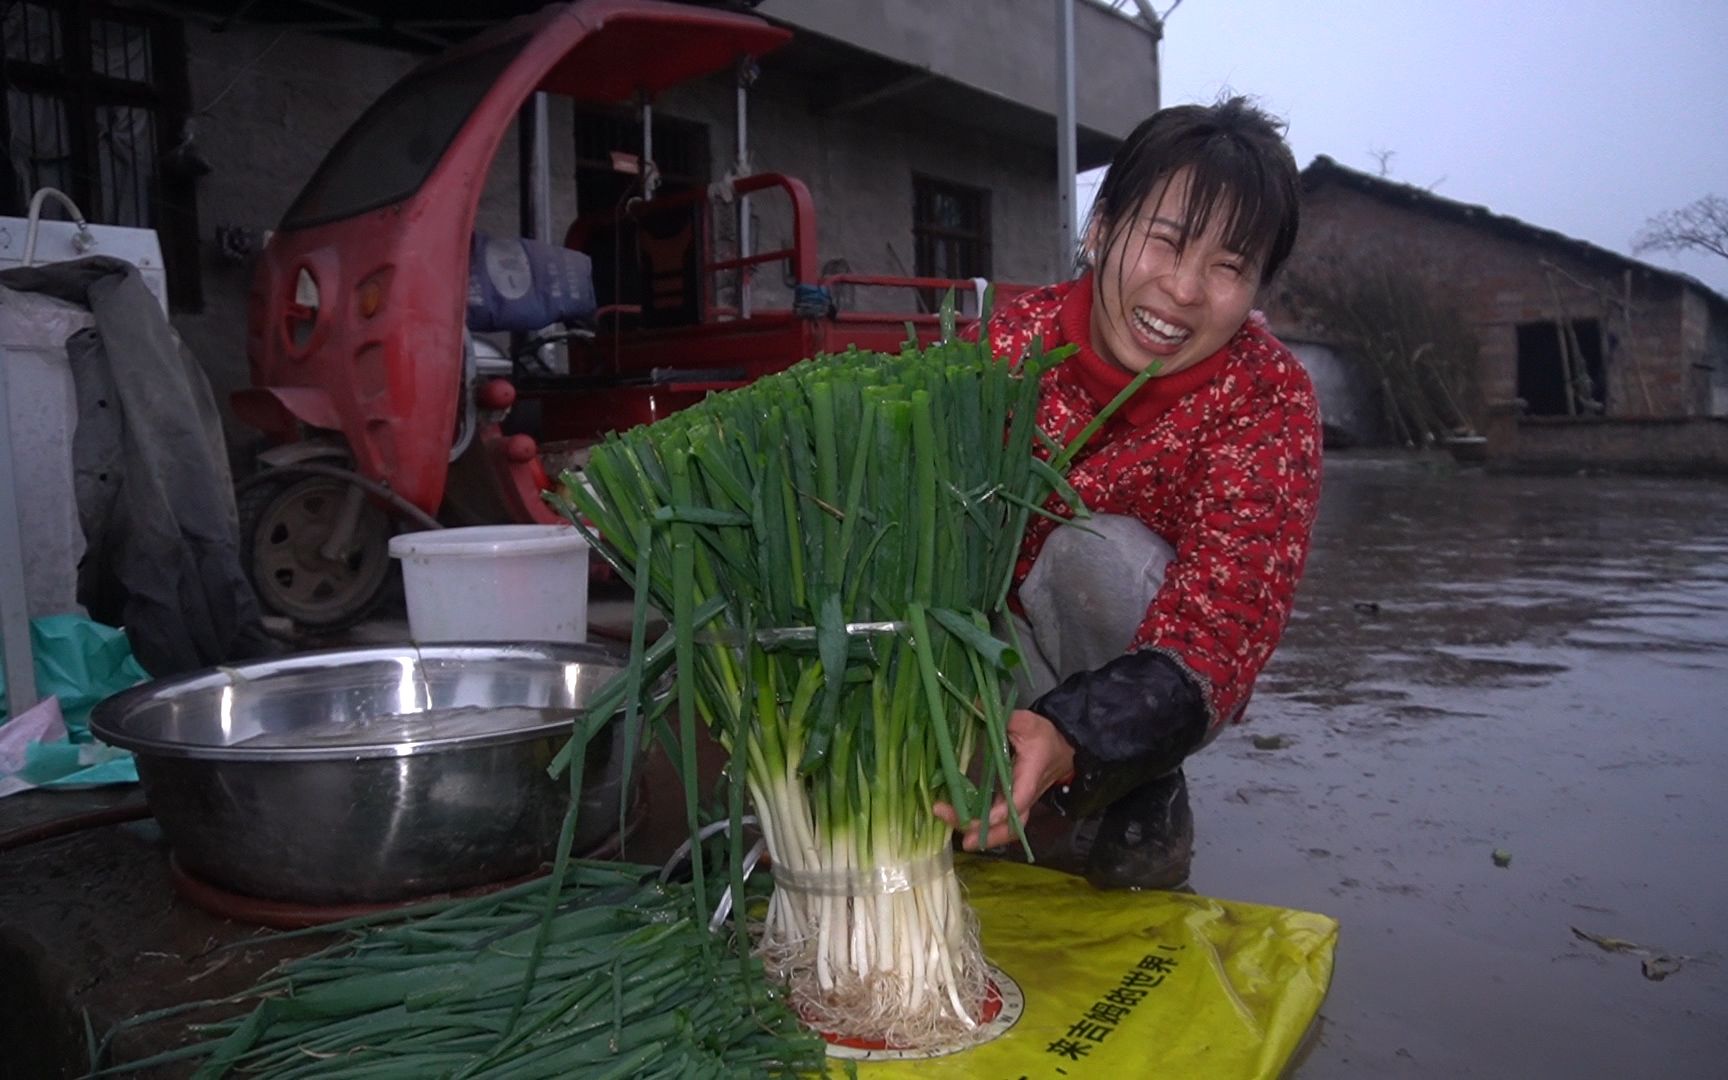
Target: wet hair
x=1240 y=167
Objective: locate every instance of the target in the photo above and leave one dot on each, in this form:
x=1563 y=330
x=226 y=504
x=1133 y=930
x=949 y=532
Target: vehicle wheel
x=289 y=523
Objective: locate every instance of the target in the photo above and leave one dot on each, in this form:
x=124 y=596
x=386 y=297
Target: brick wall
x=1681 y=445
x=1705 y=344
x=1716 y=366
x=1500 y=281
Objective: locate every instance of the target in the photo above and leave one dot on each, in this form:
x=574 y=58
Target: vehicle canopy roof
x=618 y=50
x=598 y=52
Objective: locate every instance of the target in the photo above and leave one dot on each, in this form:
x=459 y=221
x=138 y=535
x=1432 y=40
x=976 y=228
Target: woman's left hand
x=1042 y=757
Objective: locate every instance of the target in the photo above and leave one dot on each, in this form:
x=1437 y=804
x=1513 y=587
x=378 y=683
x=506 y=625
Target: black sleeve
x=1129 y=721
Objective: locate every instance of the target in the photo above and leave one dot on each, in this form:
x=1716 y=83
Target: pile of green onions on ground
x=629 y=983
x=831 y=545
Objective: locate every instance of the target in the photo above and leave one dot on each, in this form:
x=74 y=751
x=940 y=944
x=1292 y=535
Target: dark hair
x=1241 y=167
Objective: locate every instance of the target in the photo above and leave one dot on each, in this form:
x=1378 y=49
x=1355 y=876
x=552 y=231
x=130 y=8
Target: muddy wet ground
x=1478 y=663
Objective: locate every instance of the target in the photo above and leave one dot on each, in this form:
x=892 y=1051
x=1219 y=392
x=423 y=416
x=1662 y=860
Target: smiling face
x=1167 y=294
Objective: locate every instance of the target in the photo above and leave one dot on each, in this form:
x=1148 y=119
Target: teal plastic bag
x=79 y=662
x=70 y=764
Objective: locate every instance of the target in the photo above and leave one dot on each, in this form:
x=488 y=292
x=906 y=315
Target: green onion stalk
x=626 y=983
x=831 y=544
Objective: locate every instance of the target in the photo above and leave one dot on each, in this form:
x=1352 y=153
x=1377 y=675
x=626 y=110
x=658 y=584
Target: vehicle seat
x=669 y=243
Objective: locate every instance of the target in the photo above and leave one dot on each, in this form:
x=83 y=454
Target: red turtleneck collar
x=1103 y=380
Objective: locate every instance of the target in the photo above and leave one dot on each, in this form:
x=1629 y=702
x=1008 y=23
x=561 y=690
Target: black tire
x=250 y=499
x=282 y=522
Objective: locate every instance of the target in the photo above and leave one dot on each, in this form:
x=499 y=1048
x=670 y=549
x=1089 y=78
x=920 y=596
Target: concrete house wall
x=1003 y=48
x=1662 y=363
x=860 y=173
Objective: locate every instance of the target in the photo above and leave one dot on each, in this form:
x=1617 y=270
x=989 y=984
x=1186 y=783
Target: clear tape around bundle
x=876 y=881
x=782 y=635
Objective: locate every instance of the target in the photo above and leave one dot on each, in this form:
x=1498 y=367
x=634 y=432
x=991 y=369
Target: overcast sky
x=1584 y=117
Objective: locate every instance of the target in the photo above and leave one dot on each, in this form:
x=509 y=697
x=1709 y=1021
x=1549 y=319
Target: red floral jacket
x=1222 y=460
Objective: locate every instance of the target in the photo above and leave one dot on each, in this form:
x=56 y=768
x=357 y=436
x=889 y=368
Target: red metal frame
x=586 y=405
x=800 y=257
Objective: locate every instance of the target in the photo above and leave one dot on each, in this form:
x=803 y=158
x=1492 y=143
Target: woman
x=1144 y=628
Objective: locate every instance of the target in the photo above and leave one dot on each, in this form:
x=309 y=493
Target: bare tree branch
x=1700 y=226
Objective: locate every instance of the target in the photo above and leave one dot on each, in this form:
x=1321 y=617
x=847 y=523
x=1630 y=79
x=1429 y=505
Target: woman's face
x=1164 y=296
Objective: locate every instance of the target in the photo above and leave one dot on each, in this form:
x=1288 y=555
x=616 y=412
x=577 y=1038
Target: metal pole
x=20 y=665
x=1067 y=156
x=529 y=147
x=650 y=174
x=541 y=164
x=533 y=190
x=746 y=75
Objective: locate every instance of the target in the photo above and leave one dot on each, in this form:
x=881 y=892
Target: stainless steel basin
x=370 y=774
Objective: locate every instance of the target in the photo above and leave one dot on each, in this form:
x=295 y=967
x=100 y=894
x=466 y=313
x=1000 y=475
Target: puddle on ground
x=1526 y=665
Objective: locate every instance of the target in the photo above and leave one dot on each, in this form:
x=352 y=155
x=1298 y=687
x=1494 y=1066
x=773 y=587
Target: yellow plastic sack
x=1119 y=985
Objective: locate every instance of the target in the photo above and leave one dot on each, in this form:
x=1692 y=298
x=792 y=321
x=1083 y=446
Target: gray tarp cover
x=155 y=498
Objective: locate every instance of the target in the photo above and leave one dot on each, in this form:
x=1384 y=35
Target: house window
x=95 y=100
x=607 y=175
x=1553 y=353
x=950 y=231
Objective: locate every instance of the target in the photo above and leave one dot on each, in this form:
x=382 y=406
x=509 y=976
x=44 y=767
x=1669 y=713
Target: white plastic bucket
x=495 y=583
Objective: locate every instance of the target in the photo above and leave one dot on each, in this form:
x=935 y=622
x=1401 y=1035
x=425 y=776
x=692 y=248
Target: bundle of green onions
x=628 y=983
x=830 y=545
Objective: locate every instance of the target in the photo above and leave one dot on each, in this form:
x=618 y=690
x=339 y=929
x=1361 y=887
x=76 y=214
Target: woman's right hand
x=1042 y=759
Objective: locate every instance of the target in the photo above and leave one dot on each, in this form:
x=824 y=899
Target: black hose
x=371 y=487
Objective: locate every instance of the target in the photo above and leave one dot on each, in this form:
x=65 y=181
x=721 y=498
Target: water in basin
x=460 y=722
